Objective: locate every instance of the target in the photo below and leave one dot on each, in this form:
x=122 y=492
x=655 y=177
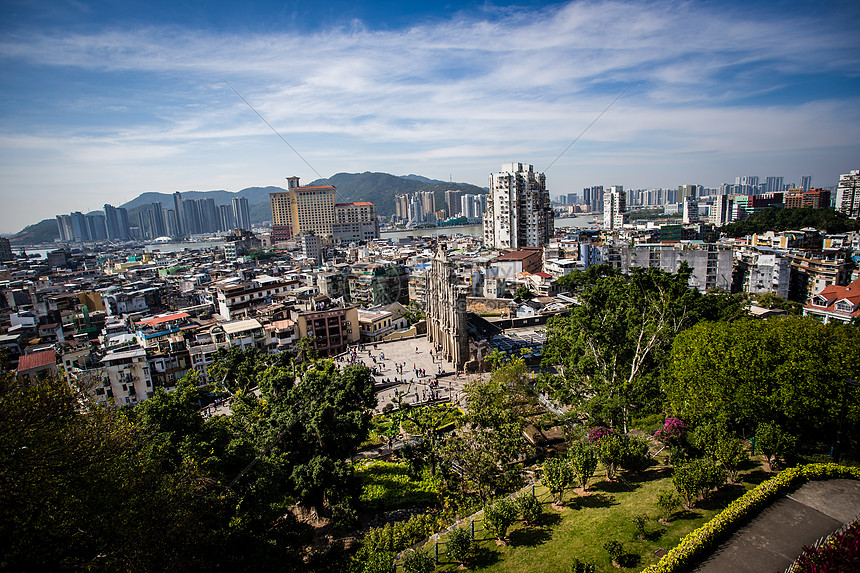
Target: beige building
x=331 y=327
x=302 y=209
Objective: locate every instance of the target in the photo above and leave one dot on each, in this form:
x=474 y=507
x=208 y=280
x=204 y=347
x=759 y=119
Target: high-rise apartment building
x=473 y=206
x=593 y=197
x=773 y=185
x=177 y=208
x=848 y=194
x=452 y=201
x=722 y=210
x=242 y=213
x=226 y=217
x=518 y=210
x=302 y=209
x=691 y=210
x=806 y=182
x=158 y=223
x=428 y=203
x=401 y=207
x=685 y=191
x=116 y=223
x=191 y=218
x=210 y=218
x=614 y=208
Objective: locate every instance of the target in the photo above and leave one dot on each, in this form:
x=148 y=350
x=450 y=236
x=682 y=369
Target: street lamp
x=835 y=451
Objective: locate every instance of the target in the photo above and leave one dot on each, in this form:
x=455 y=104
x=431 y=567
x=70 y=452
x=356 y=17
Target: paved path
x=774 y=539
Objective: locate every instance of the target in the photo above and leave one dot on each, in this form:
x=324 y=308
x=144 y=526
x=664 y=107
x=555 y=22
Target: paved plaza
x=408 y=369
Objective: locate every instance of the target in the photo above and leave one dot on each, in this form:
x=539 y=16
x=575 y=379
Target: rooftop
x=37 y=360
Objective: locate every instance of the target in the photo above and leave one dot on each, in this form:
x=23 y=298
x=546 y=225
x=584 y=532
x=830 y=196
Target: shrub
x=730 y=452
x=499 y=516
x=418 y=562
x=395 y=537
x=668 y=502
x=672 y=432
x=583 y=461
x=530 y=508
x=377 y=561
x=597 y=434
x=459 y=545
x=639 y=522
x=691 y=546
x=696 y=479
x=614 y=549
x=774 y=442
x=578 y=566
x=635 y=457
x=557 y=476
x=611 y=451
x=835 y=555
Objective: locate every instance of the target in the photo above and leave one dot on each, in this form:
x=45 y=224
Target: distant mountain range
x=379 y=188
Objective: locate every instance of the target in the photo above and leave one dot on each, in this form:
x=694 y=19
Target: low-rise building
x=839 y=303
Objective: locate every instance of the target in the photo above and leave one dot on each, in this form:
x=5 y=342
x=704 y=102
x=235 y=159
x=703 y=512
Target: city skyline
x=104 y=102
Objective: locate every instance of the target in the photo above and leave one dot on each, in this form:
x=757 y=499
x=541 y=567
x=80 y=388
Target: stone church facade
x=446 y=311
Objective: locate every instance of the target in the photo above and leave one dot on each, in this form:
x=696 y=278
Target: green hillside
x=42 y=232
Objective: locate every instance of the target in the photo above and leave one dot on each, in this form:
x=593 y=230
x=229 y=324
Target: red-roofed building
x=38 y=365
x=834 y=302
x=155 y=321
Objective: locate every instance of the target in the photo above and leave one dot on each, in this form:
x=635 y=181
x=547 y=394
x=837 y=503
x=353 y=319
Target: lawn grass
x=580 y=529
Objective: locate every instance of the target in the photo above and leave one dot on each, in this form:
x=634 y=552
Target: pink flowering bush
x=598 y=433
x=672 y=432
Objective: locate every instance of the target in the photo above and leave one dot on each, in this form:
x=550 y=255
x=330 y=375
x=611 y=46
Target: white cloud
x=447 y=96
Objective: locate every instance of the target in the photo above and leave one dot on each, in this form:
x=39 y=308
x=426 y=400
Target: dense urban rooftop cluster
x=121 y=319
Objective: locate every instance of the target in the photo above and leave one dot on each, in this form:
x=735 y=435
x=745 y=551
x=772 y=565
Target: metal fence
x=474 y=524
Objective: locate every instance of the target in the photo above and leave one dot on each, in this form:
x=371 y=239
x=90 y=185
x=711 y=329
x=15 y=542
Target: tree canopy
x=778 y=219
x=609 y=349
x=789 y=370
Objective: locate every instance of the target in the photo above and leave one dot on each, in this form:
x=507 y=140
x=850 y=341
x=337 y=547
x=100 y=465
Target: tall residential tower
x=518 y=209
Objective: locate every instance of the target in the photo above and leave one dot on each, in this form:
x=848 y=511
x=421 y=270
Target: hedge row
x=727 y=521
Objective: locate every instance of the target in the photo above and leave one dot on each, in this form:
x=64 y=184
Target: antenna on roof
x=587 y=128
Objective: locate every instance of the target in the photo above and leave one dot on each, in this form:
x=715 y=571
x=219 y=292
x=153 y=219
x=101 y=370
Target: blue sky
x=102 y=101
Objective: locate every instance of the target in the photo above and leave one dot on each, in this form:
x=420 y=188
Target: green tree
x=667 y=502
x=583 y=461
x=775 y=219
x=417 y=561
x=611 y=450
x=635 y=457
x=694 y=480
x=499 y=516
x=530 y=508
x=488 y=448
x=787 y=370
x=430 y=422
x=459 y=545
x=82 y=487
x=237 y=369
x=730 y=452
x=610 y=348
x=305 y=434
x=557 y=476
x=774 y=442
x=523 y=292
